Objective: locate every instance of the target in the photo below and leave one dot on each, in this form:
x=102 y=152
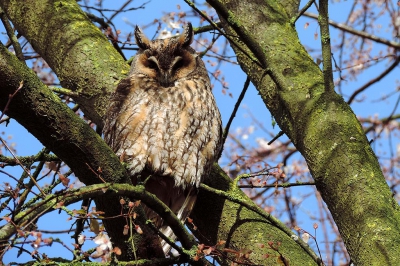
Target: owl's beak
x=165 y=79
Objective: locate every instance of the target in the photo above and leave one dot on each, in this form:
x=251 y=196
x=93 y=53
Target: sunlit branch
x=373 y=81
x=27 y=160
x=283 y=185
x=207 y=28
x=65 y=91
x=353 y=31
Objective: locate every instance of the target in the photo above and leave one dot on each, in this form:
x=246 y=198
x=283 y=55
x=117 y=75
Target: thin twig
x=10 y=97
x=301 y=12
x=281 y=133
x=284 y=185
x=265 y=215
x=239 y=101
x=372 y=81
x=192 y=5
x=362 y=34
x=246 y=36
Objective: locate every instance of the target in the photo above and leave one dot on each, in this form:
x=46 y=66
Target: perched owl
x=163 y=121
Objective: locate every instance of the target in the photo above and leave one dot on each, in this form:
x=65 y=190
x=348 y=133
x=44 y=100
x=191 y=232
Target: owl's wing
x=116 y=103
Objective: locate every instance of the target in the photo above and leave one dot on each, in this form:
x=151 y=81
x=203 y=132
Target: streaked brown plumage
x=163 y=120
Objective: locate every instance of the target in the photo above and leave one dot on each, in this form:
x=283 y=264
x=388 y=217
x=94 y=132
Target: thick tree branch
x=73 y=47
x=51 y=121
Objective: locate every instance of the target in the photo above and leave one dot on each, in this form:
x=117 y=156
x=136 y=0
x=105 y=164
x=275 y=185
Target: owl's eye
x=153 y=63
x=178 y=63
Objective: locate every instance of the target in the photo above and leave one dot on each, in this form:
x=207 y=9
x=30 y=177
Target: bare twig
x=261 y=64
x=11 y=96
x=263 y=214
x=362 y=34
x=372 y=81
x=301 y=12
x=283 y=185
x=228 y=125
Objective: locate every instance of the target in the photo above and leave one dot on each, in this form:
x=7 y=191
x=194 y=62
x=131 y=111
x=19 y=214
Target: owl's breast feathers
x=173 y=131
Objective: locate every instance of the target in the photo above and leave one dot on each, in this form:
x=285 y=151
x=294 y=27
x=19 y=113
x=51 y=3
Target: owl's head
x=167 y=60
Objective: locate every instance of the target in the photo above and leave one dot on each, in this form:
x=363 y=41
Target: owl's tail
x=182 y=214
x=180 y=201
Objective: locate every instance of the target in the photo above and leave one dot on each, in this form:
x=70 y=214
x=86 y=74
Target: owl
x=164 y=123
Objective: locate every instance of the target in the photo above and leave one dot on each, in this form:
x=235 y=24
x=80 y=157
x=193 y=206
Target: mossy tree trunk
x=320 y=124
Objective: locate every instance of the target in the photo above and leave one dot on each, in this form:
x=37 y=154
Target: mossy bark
x=73 y=47
x=86 y=62
x=322 y=127
x=226 y=219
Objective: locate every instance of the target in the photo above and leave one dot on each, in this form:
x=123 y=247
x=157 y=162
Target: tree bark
x=73 y=47
x=322 y=127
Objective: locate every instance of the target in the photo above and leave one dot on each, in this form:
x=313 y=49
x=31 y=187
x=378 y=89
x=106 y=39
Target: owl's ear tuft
x=186 y=38
x=141 y=40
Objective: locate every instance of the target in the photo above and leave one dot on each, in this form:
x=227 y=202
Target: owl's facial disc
x=166 y=74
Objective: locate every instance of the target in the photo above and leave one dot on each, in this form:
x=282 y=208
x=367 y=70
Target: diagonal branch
x=353 y=31
x=51 y=28
x=374 y=80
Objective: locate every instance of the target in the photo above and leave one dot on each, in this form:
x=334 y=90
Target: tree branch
x=326 y=46
x=62 y=48
x=353 y=31
x=374 y=80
